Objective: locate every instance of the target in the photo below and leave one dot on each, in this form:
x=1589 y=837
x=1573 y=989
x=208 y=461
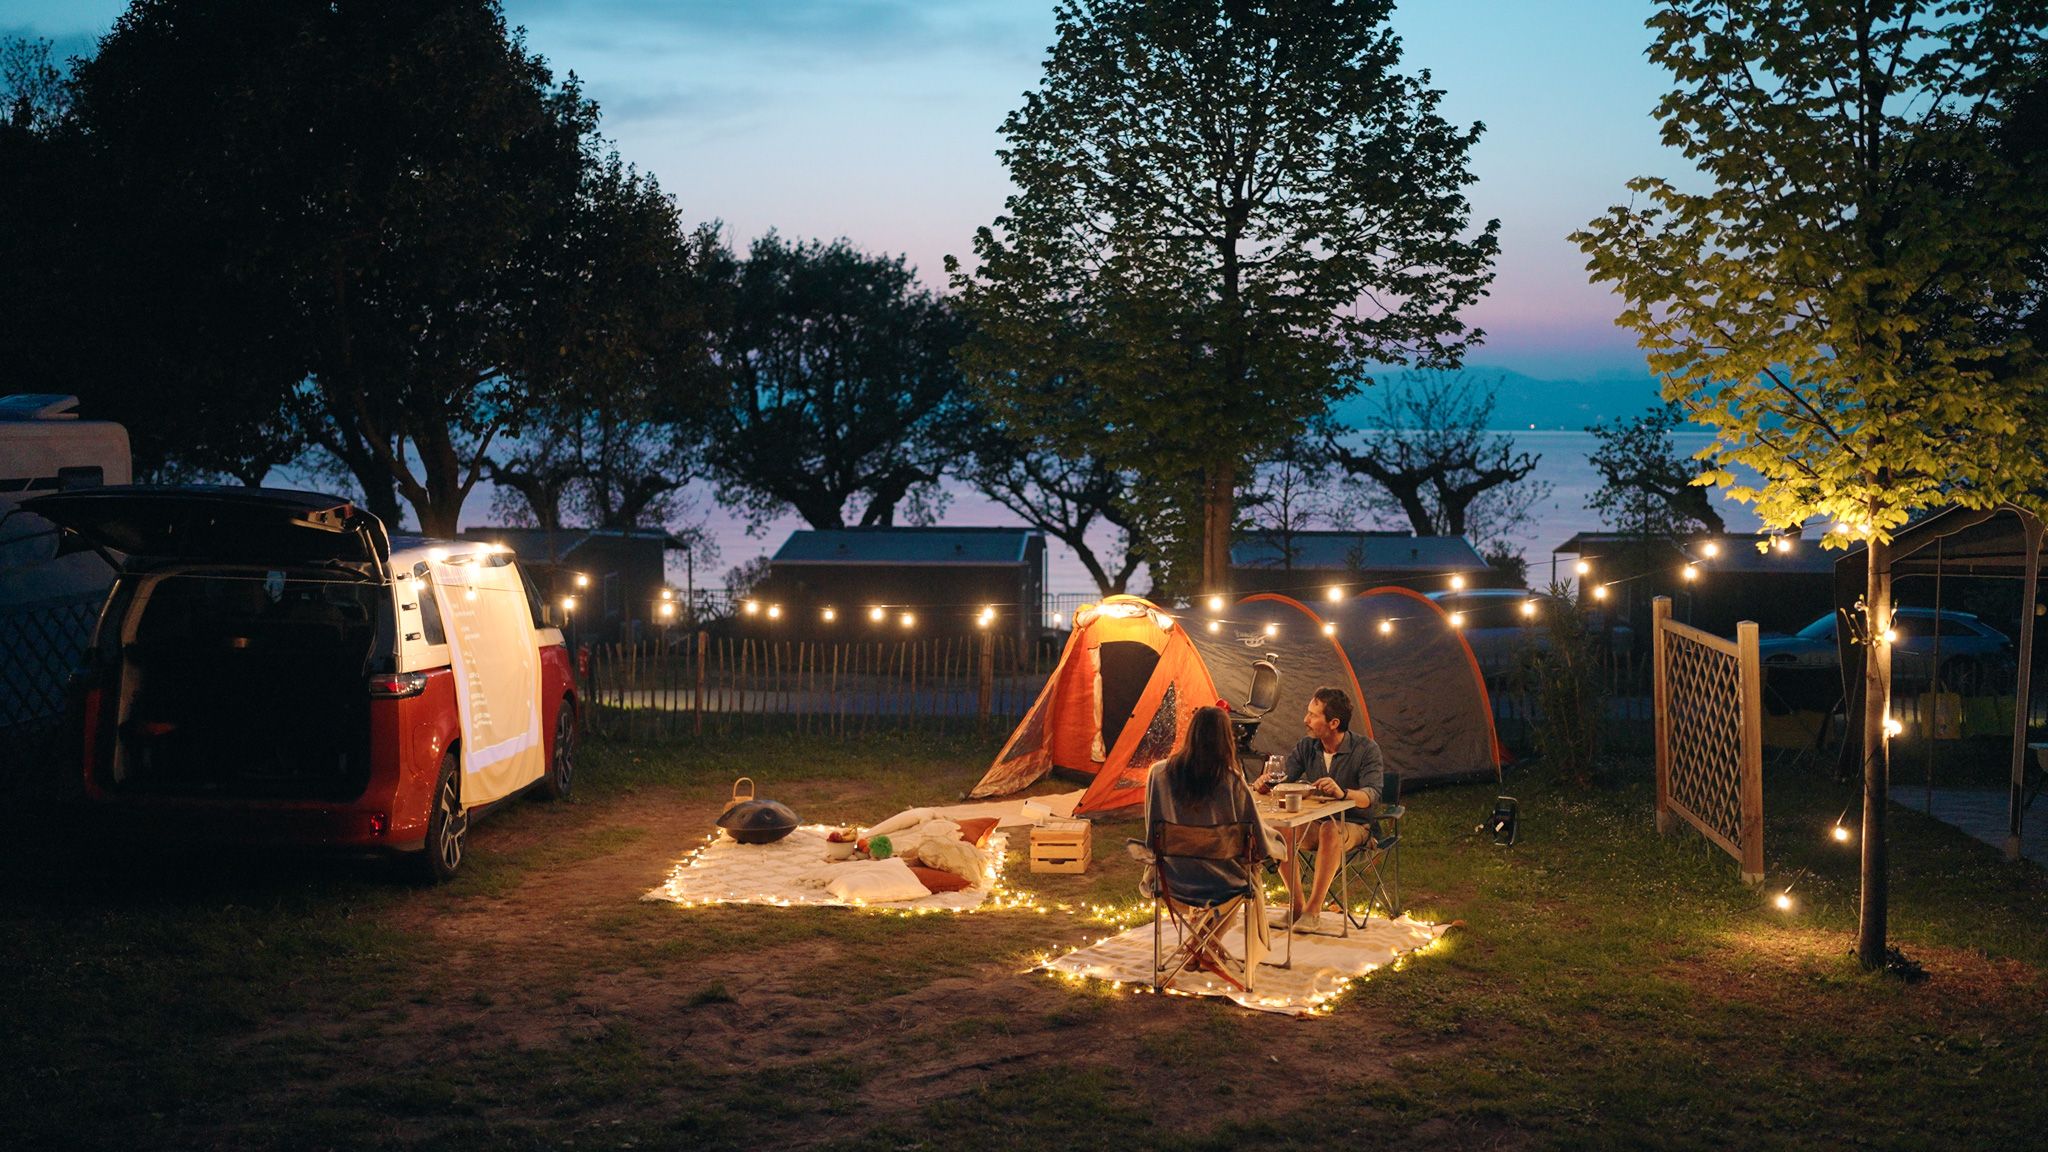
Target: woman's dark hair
x=1336 y=707
x=1204 y=763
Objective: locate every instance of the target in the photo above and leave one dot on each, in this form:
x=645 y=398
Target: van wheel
x=561 y=776
x=447 y=825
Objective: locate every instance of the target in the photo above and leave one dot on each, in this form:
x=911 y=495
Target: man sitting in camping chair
x=1340 y=764
x=1205 y=842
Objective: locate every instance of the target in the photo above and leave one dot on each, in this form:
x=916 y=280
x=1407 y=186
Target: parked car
x=1502 y=623
x=271 y=668
x=1971 y=650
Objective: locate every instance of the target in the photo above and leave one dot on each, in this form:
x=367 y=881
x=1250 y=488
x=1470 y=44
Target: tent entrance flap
x=1127 y=666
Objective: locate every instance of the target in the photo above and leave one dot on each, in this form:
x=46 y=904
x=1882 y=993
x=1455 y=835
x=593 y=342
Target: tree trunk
x=1877 y=695
x=1219 y=513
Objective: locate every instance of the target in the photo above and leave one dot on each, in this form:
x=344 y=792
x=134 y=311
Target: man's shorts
x=1352 y=834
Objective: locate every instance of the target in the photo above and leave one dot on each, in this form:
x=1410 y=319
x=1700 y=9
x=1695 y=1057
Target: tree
x=1819 y=308
x=1291 y=493
x=1648 y=488
x=840 y=386
x=1431 y=457
x=400 y=228
x=1225 y=211
x=34 y=95
x=1061 y=496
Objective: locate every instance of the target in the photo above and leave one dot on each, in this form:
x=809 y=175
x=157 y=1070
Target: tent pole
x=2030 y=527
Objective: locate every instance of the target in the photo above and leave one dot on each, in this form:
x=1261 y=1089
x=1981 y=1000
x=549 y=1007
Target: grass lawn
x=1608 y=989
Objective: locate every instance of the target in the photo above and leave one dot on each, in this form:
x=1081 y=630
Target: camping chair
x=1199 y=926
x=1265 y=693
x=1374 y=867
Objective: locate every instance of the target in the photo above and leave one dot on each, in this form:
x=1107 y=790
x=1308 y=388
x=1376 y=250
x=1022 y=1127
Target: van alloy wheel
x=447 y=824
x=561 y=777
x=453 y=826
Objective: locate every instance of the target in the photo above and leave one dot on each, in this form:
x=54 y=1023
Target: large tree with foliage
x=840 y=386
x=395 y=224
x=1822 y=305
x=1225 y=212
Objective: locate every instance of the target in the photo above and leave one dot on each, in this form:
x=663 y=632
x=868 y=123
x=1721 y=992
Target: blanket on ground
x=794 y=870
x=1324 y=965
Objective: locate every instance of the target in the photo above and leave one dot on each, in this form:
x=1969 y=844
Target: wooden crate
x=1061 y=846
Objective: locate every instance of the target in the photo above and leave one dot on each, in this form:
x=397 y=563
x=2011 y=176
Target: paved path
x=1982 y=813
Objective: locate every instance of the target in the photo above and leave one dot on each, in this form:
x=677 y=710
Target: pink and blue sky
x=876 y=120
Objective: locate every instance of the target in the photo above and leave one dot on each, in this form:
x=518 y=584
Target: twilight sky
x=876 y=120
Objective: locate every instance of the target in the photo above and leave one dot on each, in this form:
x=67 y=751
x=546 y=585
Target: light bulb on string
x=1457 y=583
x=1599 y=591
x=1710 y=549
x=1335 y=593
x=1215 y=603
x=1585 y=568
x=877 y=615
x=830 y=615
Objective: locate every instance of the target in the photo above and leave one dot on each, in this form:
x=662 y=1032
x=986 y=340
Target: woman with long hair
x=1200 y=785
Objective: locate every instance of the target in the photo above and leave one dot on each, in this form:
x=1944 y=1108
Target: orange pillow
x=938 y=880
x=976 y=831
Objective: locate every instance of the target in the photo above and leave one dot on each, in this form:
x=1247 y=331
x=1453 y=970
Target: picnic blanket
x=1323 y=965
x=793 y=871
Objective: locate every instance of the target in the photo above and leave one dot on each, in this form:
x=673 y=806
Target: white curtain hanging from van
x=497 y=675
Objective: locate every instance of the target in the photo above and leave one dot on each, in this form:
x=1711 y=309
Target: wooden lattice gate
x=1710 y=740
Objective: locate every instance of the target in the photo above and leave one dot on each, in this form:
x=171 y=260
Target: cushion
x=936 y=880
x=955 y=856
x=877 y=882
x=976 y=832
x=908 y=818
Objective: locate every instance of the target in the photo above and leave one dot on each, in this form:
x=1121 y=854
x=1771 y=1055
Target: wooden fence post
x=985 y=687
x=703 y=642
x=1660 y=694
x=1751 y=666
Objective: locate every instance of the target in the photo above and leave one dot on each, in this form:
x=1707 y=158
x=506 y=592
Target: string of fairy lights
x=904 y=617
x=1004 y=897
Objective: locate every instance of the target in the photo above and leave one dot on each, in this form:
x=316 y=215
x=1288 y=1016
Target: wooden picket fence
x=720 y=684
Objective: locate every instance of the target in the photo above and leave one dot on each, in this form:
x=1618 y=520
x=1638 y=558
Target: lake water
x=1563 y=464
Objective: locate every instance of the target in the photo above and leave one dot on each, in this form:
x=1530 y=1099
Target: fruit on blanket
x=879 y=847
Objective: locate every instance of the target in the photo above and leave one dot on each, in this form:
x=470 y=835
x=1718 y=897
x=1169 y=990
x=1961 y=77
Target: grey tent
x=1416 y=686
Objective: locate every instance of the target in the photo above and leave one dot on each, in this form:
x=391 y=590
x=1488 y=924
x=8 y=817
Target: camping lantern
x=1503 y=822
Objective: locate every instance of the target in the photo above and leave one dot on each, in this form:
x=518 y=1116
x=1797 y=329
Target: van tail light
x=398 y=685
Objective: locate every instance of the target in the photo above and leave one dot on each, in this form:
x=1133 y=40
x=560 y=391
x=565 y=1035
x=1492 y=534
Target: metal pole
x=2030 y=529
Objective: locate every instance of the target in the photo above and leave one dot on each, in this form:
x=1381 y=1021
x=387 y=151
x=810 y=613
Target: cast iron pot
x=752 y=821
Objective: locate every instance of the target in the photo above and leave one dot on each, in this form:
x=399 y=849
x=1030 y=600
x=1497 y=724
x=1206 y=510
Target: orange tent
x=1118 y=701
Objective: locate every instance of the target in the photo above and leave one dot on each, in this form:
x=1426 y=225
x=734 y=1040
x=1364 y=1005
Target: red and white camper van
x=270 y=667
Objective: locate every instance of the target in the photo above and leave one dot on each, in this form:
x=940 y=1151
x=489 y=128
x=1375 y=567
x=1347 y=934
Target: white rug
x=1323 y=965
x=726 y=871
x=1012 y=813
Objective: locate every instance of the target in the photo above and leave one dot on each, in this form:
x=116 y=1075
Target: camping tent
x=1415 y=687
x=1132 y=674
x=1430 y=711
x=1119 y=700
x=1287 y=634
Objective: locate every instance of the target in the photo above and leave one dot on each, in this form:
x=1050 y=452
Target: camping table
x=1312 y=809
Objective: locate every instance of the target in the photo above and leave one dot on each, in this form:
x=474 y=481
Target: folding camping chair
x=1199 y=926
x=1265 y=693
x=1374 y=867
